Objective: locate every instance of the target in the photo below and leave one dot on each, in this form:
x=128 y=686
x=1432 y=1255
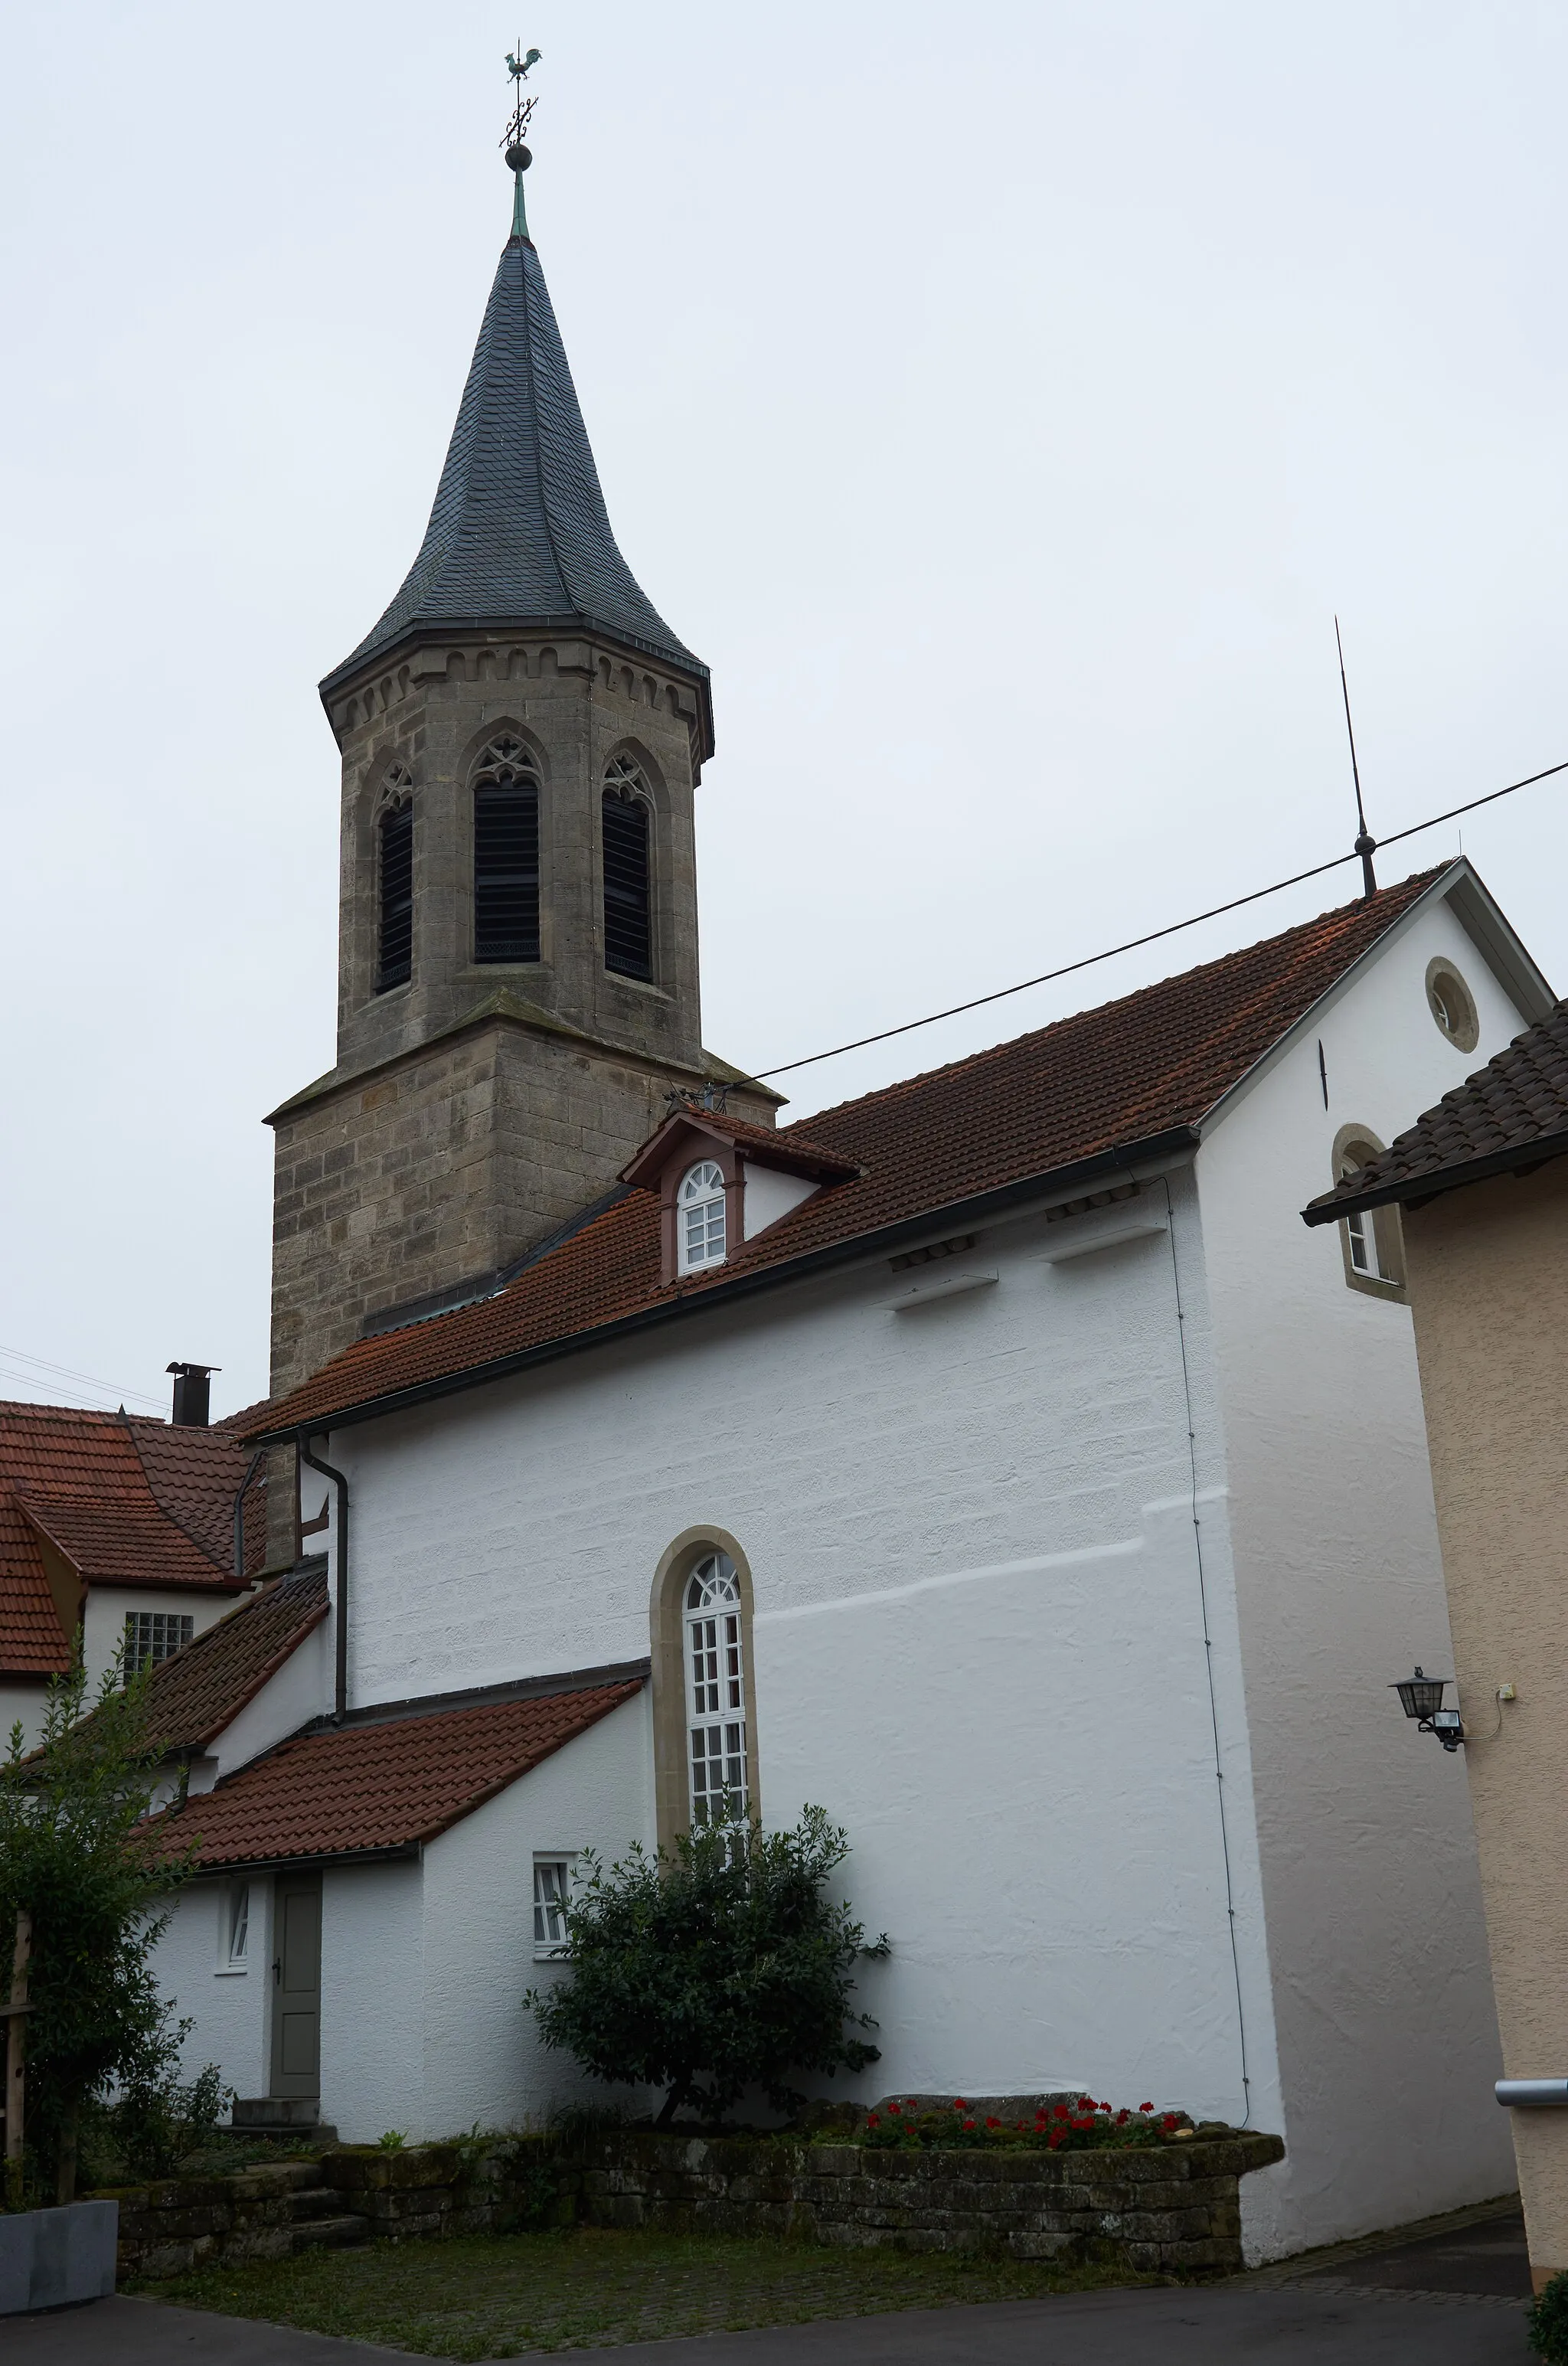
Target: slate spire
x=519 y=535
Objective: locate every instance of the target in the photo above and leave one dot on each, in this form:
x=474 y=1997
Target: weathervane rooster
x=514 y=139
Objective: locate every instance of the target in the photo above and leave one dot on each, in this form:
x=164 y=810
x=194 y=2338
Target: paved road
x=1298 y=2324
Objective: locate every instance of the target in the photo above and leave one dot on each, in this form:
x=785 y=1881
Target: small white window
x=715 y=1694
x=699 y=1217
x=240 y=1926
x=154 y=1634
x=552 y=1897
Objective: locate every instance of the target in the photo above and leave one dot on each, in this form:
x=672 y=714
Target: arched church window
x=394 y=865
x=628 y=910
x=506 y=853
x=699 y=1217
x=715 y=1694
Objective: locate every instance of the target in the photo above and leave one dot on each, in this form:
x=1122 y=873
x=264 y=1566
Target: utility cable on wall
x=1173 y=928
x=1208 y=1648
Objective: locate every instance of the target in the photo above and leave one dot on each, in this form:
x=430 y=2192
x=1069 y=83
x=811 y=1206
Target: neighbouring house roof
x=1511 y=1114
x=193 y=1696
x=519 y=535
x=365 y=1788
x=117 y=1501
x=1134 y=1079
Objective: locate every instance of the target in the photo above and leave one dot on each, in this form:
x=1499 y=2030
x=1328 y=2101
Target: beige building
x=1468 y=1213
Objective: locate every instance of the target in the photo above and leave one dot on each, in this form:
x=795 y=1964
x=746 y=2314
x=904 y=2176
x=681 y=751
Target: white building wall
x=104 y=1616
x=483 y=2059
x=21 y=1703
x=979 y=1639
x=301 y=1690
x=230 y=2009
x=373 y=1977
x=1386 y=2028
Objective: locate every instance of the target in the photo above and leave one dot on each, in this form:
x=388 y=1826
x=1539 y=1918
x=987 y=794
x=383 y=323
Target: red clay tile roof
x=1511 y=1111
x=125 y=1502
x=769 y=1141
x=345 y=1790
x=191 y=1697
x=1093 y=1086
x=32 y=1640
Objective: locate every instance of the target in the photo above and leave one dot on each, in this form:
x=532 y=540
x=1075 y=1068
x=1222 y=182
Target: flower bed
x=1083 y=2125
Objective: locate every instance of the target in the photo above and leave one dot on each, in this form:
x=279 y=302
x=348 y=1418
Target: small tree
x=719 y=1966
x=73 y=1855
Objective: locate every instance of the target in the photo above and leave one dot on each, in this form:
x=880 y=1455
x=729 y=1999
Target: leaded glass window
x=715 y=1694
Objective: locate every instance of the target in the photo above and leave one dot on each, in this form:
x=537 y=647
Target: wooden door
x=297 y=1984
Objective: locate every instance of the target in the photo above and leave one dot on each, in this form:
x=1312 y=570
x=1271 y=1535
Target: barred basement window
x=394 y=832
x=552 y=1896
x=506 y=854
x=699 y=1217
x=629 y=913
x=154 y=1634
x=715 y=1694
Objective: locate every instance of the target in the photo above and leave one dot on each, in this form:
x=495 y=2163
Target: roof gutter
x=1066 y=1182
x=1415 y=1190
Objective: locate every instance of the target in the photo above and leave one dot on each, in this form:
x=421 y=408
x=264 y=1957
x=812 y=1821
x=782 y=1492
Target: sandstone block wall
x=1174 y=2208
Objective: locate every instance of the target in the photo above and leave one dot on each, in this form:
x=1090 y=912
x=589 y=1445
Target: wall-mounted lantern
x=1421 y=1696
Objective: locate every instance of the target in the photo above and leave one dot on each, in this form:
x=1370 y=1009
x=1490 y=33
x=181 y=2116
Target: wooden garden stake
x=16 y=2058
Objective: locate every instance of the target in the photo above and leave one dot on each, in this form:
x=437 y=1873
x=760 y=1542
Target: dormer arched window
x=629 y=903
x=394 y=889
x=699 y=1218
x=506 y=853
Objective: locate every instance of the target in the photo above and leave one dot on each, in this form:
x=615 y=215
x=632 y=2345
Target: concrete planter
x=52 y=2258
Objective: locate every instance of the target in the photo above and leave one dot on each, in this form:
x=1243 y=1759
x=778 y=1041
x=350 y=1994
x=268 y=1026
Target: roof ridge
x=1117 y=1002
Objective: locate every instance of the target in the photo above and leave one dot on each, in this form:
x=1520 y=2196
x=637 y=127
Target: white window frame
x=701 y=1226
x=237 y=1917
x=1366 y=1256
x=712 y=1655
x=554 y=1870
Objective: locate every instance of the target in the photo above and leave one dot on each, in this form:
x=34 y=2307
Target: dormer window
x=699 y=1217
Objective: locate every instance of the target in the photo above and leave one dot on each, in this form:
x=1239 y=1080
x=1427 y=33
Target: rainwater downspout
x=257 y=1459
x=302 y=1444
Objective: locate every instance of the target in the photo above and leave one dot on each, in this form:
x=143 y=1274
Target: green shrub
x=77 y=1855
x=1547 y=2324
x=712 y=1969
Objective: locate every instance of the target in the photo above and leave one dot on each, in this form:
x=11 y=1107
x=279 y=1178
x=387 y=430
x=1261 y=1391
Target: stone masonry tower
x=522 y=737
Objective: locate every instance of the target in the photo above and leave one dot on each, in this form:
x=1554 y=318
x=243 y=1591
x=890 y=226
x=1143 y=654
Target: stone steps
x=327 y=2234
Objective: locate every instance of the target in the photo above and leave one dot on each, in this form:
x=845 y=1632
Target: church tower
x=521 y=738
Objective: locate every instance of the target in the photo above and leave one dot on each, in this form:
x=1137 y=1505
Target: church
x=994 y=1461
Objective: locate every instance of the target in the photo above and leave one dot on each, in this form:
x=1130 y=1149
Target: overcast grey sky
x=1001 y=400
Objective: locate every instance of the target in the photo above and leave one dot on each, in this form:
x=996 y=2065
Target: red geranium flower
x=872 y=2122
x=959 y=2104
x=968 y=2123
x=1146 y=2107
x=1054 y=2140
x=992 y=2120
x=1060 y=2113
x=1169 y=2121
x=893 y=2111
x=1122 y=2118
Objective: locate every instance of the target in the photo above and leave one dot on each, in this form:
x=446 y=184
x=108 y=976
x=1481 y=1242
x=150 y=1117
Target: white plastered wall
x=425 y=1966
x=1387 y=2036
x=230 y=2009
x=979 y=1641
x=105 y=1613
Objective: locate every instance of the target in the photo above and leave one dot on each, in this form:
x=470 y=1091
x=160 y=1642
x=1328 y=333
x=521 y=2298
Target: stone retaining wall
x=1173 y=2208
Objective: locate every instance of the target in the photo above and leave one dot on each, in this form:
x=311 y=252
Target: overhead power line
x=1173 y=928
x=14 y=1355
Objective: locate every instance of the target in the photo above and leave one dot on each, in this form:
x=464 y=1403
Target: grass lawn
x=490 y=2296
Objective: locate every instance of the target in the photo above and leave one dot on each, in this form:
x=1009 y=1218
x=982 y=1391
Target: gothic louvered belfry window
x=394 y=855
x=628 y=917
x=506 y=854
x=715 y=1694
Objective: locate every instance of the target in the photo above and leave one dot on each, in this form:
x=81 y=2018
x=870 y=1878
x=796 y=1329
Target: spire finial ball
x=518 y=158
